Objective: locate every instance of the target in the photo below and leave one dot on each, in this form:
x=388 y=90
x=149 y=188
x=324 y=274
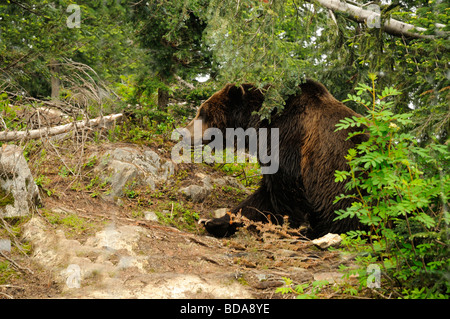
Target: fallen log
x=8 y=136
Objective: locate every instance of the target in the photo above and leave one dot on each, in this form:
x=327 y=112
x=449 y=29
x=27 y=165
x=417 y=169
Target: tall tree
x=55 y=48
x=171 y=32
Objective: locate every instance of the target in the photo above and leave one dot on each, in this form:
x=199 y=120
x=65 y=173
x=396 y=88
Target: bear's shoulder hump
x=314 y=88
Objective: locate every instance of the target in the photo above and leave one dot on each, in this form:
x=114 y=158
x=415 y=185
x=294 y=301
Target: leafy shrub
x=400 y=191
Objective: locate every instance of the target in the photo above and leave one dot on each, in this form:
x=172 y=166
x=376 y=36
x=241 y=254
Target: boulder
x=19 y=193
x=125 y=165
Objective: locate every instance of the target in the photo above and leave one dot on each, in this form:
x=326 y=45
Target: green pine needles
x=401 y=189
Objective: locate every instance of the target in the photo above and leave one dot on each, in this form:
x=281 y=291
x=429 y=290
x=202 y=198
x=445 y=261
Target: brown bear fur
x=310 y=151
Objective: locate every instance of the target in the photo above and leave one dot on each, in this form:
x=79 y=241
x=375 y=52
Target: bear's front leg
x=220 y=227
x=255 y=207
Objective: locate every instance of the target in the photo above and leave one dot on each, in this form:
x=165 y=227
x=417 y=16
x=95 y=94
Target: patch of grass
x=72 y=224
x=91 y=162
x=248 y=173
x=43 y=183
x=130 y=190
x=96 y=187
x=232 y=190
x=177 y=215
x=241 y=279
x=6 y=272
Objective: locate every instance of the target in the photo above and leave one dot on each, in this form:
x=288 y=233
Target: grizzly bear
x=309 y=148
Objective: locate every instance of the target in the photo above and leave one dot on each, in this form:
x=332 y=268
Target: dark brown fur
x=310 y=151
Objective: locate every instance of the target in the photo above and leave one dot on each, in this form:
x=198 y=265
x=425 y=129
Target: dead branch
x=390 y=26
x=12 y=235
x=269 y=230
x=8 y=136
x=62 y=106
x=16 y=265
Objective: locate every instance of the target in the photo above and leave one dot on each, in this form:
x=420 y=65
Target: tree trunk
x=390 y=26
x=55 y=82
x=163 y=99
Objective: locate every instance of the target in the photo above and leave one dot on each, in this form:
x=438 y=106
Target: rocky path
x=129 y=259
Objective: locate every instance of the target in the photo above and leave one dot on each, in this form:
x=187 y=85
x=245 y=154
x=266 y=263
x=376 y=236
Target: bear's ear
x=235 y=93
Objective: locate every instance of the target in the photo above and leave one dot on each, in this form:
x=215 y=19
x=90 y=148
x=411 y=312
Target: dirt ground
x=85 y=246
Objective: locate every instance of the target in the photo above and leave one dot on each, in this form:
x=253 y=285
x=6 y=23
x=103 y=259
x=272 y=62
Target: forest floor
x=80 y=244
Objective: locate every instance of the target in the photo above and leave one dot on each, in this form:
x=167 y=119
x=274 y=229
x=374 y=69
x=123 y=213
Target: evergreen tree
x=58 y=49
x=171 y=32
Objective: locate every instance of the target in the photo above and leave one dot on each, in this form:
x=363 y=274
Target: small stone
x=261 y=277
x=220 y=212
x=148 y=215
x=195 y=193
x=329 y=240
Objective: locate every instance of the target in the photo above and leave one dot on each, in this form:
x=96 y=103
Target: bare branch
x=50 y=131
x=390 y=26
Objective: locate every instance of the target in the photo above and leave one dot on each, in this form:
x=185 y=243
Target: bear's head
x=231 y=107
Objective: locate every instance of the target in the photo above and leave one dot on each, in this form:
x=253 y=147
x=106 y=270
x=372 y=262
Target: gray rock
x=207 y=183
x=18 y=191
x=149 y=215
x=220 y=212
x=329 y=240
x=122 y=174
x=195 y=193
x=234 y=183
x=220 y=182
x=124 y=165
x=198 y=193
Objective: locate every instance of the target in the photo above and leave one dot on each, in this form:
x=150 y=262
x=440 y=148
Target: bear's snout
x=196 y=128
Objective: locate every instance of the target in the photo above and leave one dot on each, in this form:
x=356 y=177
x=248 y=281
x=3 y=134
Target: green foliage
x=278 y=43
x=9 y=114
x=7 y=272
x=303 y=291
x=172 y=34
x=91 y=162
x=400 y=192
x=178 y=215
x=249 y=173
x=146 y=46
x=72 y=223
x=171 y=31
x=34 y=35
x=43 y=183
x=417 y=67
x=130 y=191
x=96 y=187
x=200 y=93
